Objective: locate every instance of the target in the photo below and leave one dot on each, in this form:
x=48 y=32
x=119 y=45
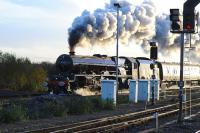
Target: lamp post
x=117 y=5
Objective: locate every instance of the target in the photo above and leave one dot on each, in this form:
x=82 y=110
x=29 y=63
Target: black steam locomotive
x=77 y=71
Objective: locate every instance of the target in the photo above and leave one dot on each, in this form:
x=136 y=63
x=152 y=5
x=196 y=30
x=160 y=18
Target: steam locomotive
x=79 y=71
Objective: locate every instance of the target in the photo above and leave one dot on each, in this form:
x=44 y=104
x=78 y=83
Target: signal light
x=189 y=21
x=188 y=26
x=176 y=24
x=153 y=51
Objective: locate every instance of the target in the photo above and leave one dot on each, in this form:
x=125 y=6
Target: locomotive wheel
x=56 y=91
x=73 y=86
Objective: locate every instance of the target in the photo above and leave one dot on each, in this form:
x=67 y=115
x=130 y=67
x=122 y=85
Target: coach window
x=174 y=71
x=167 y=70
x=135 y=65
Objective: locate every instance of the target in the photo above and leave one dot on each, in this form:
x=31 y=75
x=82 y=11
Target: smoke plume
x=139 y=23
x=100 y=26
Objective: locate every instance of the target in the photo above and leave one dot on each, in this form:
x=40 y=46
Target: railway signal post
x=181 y=85
x=153 y=56
x=188 y=26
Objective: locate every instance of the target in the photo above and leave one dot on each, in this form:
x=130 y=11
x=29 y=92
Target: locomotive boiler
x=84 y=71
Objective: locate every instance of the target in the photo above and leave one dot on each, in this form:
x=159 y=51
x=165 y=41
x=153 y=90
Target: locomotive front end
x=64 y=63
x=59 y=82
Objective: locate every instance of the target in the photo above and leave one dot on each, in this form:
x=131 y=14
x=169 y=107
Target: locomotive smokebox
x=64 y=63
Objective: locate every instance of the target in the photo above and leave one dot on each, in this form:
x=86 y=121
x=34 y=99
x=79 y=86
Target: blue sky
x=37 y=29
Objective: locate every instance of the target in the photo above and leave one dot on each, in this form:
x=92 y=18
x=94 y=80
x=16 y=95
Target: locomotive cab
x=145 y=68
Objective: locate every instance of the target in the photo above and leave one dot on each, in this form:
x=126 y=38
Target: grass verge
x=52 y=106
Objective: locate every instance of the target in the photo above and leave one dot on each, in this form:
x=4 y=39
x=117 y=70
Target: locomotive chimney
x=71 y=52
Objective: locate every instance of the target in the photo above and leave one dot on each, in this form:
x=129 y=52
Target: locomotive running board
x=92 y=75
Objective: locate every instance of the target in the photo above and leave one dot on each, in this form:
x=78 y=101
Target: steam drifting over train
x=138 y=23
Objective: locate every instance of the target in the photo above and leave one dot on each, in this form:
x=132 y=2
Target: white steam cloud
x=100 y=27
x=138 y=23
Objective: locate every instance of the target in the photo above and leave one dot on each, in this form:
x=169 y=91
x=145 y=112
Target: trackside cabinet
x=108 y=90
x=133 y=91
x=143 y=90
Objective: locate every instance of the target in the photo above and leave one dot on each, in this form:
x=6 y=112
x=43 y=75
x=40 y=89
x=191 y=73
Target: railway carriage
x=171 y=73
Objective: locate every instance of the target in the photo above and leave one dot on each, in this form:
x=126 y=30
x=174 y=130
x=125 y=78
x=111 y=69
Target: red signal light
x=188 y=26
x=189 y=21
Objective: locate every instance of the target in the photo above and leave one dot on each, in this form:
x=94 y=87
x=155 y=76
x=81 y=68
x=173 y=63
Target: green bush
x=121 y=99
x=97 y=103
x=55 y=106
x=54 y=109
x=46 y=109
x=13 y=113
x=108 y=105
x=84 y=105
x=79 y=105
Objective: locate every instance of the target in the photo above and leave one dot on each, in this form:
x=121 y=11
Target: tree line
x=20 y=74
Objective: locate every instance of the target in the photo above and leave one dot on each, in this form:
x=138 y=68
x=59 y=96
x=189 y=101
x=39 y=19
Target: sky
x=38 y=29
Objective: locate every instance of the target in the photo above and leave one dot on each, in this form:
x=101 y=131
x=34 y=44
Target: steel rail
x=103 y=121
x=116 y=127
x=90 y=123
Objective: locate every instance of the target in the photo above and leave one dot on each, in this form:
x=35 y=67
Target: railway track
x=7 y=99
x=174 y=94
x=185 y=89
x=116 y=123
x=8 y=96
